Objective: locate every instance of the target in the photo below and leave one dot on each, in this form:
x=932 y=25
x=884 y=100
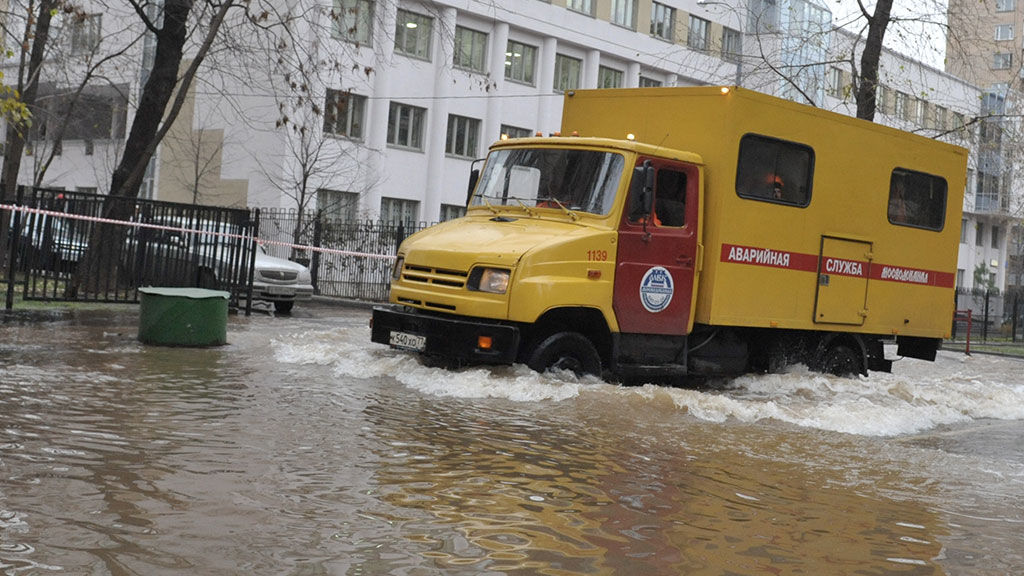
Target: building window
x=663 y=21
x=834 y=83
x=882 y=99
x=582 y=6
x=519 y=62
x=405 y=126
x=353 y=20
x=979 y=234
x=941 y=117
x=648 y=82
x=413 y=33
x=917 y=199
x=1004 y=32
x=921 y=112
x=732 y=44
x=567 y=72
x=463 y=134
x=624 y=13
x=338 y=205
x=772 y=170
x=963 y=230
x=85 y=34
x=902 y=106
x=697 y=36
x=609 y=77
x=995 y=237
x=395 y=210
x=1002 y=61
x=343 y=114
x=470 y=49
x=1005 y=5
x=959 y=121
x=451 y=212
x=515 y=132
x=97 y=113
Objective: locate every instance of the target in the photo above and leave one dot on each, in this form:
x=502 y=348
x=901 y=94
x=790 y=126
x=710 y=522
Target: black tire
x=283 y=307
x=566 y=351
x=841 y=360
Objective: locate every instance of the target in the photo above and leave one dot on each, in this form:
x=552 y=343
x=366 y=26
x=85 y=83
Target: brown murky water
x=300 y=448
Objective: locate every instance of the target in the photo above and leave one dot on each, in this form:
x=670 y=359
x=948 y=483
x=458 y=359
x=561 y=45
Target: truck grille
x=434 y=276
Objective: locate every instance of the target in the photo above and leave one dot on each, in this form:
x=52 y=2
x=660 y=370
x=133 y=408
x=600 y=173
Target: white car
x=280 y=281
x=174 y=256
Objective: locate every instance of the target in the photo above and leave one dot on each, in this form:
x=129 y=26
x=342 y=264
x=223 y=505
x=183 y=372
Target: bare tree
x=151 y=122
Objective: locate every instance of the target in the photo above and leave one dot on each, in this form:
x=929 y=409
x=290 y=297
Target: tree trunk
x=100 y=264
x=867 y=88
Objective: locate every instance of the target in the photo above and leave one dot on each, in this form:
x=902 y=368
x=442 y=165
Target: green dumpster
x=183 y=316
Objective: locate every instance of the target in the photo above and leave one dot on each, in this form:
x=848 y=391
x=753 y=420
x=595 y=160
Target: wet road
x=300 y=448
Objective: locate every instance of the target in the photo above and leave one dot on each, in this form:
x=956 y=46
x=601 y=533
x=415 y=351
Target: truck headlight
x=493 y=280
x=396 y=270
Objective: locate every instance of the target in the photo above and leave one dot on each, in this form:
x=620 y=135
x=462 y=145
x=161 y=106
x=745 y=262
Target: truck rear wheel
x=566 y=351
x=841 y=360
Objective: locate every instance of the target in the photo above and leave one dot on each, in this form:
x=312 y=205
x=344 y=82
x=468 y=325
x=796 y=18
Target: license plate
x=408 y=341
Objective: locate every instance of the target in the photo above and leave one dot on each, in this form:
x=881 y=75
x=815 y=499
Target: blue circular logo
x=656 y=289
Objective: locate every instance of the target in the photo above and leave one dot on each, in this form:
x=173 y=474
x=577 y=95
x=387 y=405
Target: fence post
x=984 y=327
x=314 y=260
x=1013 y=321
x=12 y=254
x=967 y=349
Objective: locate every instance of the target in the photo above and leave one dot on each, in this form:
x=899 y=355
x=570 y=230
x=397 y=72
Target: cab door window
x=668 y=207
x=669 y=198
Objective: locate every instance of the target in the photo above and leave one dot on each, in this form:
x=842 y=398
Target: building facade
x=377 y=109
x=983 y=47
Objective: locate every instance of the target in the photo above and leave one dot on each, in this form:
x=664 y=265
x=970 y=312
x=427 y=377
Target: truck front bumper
x=462 y=340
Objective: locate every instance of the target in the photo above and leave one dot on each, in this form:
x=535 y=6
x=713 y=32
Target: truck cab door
x=657 y=259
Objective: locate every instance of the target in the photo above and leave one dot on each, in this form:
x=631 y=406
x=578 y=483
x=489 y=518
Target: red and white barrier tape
x=66 y=215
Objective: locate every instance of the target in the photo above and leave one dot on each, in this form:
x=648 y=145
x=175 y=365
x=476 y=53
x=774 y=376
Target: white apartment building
x=376 y=109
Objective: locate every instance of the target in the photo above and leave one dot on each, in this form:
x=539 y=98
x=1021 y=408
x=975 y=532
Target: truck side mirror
x=641 y=191
x=474 y=176
x=648 y=194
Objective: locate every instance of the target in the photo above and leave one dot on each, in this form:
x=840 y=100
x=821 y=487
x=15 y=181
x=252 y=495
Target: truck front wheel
x=566 y=351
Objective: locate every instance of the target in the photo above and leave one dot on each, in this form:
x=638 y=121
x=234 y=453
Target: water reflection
x=505 y=494
x=300 y=449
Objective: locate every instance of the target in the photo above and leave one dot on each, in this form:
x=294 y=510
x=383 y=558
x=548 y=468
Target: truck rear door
x=657 y=258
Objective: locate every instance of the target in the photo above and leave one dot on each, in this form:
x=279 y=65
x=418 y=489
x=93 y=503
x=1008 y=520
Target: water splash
x=919 y=396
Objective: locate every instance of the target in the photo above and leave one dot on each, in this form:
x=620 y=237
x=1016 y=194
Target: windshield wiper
x=524 y=206
x=488 y=204
x=569 y=212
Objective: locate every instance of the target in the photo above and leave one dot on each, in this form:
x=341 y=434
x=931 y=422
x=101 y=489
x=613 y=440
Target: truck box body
x=690 y=231
x=761 y=259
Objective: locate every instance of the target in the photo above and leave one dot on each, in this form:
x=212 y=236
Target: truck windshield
x=578 y=180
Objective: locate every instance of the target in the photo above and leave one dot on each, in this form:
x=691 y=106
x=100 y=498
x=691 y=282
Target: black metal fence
x=349 y=259
x=994 y=314
x=139 y=242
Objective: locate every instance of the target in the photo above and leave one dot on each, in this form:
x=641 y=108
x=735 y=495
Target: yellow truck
x=672 y=232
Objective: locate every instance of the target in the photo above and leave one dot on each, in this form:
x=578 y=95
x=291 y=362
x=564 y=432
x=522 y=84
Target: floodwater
x=302 y=449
